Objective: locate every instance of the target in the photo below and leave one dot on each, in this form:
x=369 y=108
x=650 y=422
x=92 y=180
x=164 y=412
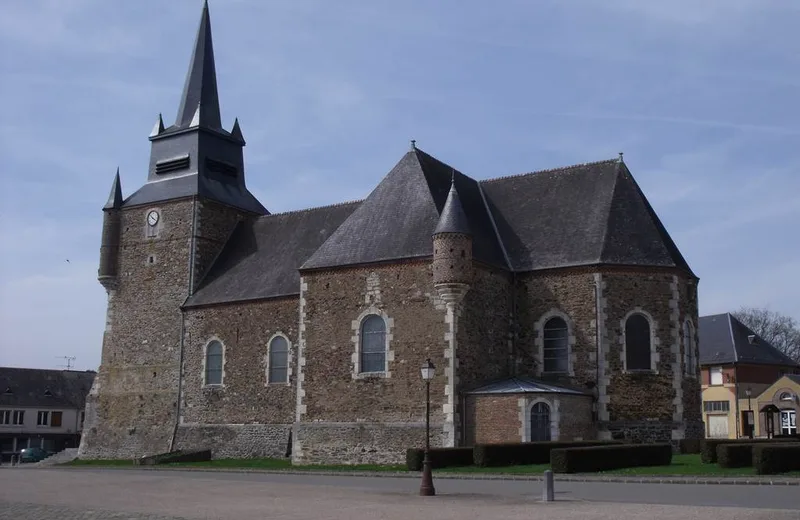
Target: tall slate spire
x=115 y=197
x=200 y=97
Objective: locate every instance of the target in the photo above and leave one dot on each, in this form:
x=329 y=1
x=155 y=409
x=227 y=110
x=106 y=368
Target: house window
x=689 y=350
x=373 y=344
x=278 y=360
x=716 y=406
x=716 y=375
x=214 y=363
x=18 y=417
x=5 y=416
x=637 y=343
x=556 y=346
x=43 y=419
x=785 y=396
x=55 y=419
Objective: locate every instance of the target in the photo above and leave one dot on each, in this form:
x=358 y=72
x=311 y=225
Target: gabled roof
x=725 y=340
x=525 y=385
x=261 y=258
x=31 y=387
x=586 y=214
x=397 y=219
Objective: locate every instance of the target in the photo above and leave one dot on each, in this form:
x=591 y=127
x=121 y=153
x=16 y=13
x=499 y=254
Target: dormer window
x=8 y=391
x=48 y=393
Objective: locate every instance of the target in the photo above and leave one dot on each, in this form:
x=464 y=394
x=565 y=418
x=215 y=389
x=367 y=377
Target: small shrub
x=439 y=457
x=690 y=446
x=735 y=455
x=602 y=458
x=519 y=453
x=771 y=459
x=709 y=452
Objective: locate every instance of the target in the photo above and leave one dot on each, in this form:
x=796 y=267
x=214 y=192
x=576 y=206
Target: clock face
x=152 y=218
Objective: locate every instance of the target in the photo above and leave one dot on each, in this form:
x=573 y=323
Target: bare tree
x=780 y=331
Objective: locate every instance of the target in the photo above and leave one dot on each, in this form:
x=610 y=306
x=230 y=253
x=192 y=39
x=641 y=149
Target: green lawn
x=682 y=465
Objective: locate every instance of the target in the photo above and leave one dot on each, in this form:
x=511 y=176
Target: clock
x=152 y=218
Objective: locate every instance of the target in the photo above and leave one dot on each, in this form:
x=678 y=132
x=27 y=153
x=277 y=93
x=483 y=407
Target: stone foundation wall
x=360 y=442
x=240 y=441
x=642 y=431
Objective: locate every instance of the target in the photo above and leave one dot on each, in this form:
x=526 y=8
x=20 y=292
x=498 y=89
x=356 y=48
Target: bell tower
x=156 y=246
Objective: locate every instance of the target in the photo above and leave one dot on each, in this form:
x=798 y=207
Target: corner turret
x=452 y=249
x=109 y=245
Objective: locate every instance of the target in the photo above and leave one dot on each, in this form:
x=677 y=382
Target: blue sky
x=701 y=96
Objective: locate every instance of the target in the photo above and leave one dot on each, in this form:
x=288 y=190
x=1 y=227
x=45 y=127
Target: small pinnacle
x=453 y=176
x=620 y=156
x=413 y=145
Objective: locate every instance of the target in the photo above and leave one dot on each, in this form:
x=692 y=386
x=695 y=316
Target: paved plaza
x=84 y=494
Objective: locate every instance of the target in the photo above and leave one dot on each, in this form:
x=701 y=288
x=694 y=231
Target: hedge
x=520 y=453
x=709 y=452
x=735 y=455
x=602 y=458
x=692 y=446
x=770 y=459
x=440 y=457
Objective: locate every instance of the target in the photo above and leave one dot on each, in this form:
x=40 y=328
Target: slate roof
x=794 y=377
x=525 y=385
x=453 y=219
x=397 y=219
x=587 y=214
x=68 y=388
x=724 y=340
x=261 y=258
x=115 y=197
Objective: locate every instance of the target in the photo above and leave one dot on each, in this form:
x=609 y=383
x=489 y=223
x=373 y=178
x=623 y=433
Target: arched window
x=689 y=350
x=637 y=343
x=373 y=344
x=214 y=363
x=540 y=422
x=556 y=346
x=278 y=360
x=785 y=396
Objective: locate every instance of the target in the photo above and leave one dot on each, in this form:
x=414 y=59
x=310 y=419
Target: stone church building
x=553 y=304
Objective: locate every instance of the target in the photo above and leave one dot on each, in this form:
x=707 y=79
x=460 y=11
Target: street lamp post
x=426 y=489
x=750 y=426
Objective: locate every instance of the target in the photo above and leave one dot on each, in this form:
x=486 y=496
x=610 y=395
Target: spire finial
x=158 y=127
x=452 y=177
x=620 y=156
x=115 y=197
x=200 y=87
x=413 y=144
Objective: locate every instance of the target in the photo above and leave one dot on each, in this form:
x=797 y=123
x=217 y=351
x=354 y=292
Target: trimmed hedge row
x=513 y=454
x=709 y=452
x=690 y=446
x=735 y=455
x=771 y=459
x=440 y=457
x=601 y=458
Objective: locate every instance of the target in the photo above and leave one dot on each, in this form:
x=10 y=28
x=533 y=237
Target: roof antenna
x=413 y=145
x=69 y=360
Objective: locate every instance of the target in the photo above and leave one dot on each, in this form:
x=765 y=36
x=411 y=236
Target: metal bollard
x=549 y=493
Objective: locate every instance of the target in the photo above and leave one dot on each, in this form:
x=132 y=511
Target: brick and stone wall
x=131 y=408
x=374 y=418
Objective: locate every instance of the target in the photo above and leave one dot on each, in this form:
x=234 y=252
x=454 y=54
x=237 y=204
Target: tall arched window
x=556 y=346
x=689 y=351
x=637 y=343
x=373 y=344
x=214 y=363
x=278 y=360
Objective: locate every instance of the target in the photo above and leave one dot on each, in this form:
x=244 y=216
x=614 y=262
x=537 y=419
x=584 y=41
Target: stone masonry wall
x=239 y=441
x=334 y=396
x=133 y=403
x=245 y=397
x=452 y=258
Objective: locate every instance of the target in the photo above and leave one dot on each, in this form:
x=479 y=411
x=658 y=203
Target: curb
x=666 y=479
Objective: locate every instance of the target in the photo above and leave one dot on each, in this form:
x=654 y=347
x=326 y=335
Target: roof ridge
x=290 y=212
x=568 y=167
x=604 y=242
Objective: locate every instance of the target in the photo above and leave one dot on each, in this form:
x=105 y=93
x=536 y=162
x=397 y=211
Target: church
x=554 y=306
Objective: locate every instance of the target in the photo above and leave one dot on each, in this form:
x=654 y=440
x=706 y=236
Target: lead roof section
x=261 y=258
x=397 y=219
x=525 y=385
x=725 y=340
x=31 y=387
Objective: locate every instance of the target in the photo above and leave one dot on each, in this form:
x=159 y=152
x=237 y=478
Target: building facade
x=737 y=367
x=301 y=334
x=41 y=409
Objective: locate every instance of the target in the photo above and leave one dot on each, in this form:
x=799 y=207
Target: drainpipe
x=598 y=346
x=736 y=395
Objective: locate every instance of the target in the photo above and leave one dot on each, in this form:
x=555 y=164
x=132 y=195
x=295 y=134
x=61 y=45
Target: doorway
x=540 y=422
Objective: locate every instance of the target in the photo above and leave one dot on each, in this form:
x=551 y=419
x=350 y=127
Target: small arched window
x=785 y=396
x=689 y=353
x=556 y=346
x=637 y=343
x=214 y=363
x=278 y=360
x=540 y=422
x=373 y=344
